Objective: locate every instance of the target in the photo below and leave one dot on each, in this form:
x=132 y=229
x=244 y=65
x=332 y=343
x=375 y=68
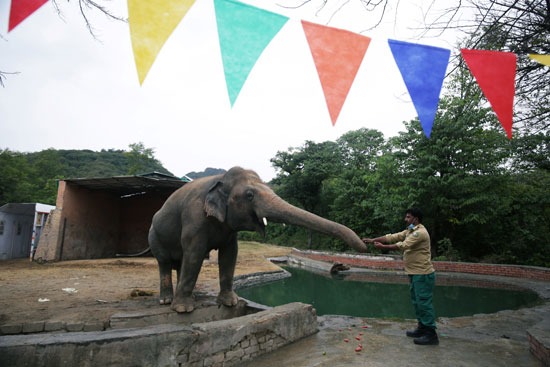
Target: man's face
x=409 y=219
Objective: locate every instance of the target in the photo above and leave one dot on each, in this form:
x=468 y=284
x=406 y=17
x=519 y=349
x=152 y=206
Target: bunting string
x=245 y=31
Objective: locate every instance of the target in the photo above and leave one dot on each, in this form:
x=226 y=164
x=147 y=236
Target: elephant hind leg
x=165 y=264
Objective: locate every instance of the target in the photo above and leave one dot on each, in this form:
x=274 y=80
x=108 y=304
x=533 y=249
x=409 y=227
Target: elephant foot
x=186 y=304
x=166 y=289
x=228 y=298
x=166 y=297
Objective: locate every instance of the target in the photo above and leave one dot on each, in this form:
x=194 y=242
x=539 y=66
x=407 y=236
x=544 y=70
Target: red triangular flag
x=337 y=55
x=495 y=72
x=21 y=9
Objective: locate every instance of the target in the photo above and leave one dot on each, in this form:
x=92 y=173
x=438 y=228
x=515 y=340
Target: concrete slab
x=229 y=342
x=474 y=341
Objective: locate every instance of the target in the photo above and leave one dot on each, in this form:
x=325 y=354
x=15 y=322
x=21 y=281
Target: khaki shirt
x=415 y=244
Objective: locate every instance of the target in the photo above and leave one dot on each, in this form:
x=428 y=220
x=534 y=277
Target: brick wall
x=390 y=263
x=537 y=347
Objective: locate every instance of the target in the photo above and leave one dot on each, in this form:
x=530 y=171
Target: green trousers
x=421 y=288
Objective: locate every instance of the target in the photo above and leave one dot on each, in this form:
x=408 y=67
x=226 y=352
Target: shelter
x=101 y=217
x=20 y=228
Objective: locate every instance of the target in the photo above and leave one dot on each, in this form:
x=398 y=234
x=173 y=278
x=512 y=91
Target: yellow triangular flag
x=151 y=23
x=543 y=59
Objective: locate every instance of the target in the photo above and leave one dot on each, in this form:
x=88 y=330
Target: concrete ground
x=498 y=339
x=477 y=341
x=104 y=287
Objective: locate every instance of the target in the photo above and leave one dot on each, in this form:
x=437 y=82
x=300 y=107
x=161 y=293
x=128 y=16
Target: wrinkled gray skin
x=206 y=214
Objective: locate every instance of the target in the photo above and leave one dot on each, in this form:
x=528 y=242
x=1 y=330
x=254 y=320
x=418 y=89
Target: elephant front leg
x=226 y=261
x=184 y=301
x=166 y=287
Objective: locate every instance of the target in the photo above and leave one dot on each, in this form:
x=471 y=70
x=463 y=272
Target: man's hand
x=368 y=240
x=379 y=245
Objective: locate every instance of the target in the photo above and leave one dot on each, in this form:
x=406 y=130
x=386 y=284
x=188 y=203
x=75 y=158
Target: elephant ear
x=215 y=204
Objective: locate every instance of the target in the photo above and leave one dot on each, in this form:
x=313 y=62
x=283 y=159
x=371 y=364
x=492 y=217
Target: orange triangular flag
x=21 y=9
x=495 y=72
x=151 y=23
x=337 y=54
x=543 y=59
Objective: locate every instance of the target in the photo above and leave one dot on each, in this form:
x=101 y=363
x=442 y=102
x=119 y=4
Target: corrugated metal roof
x=128 y=185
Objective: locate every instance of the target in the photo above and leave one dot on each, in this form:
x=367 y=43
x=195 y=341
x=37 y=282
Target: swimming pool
x=386 y=295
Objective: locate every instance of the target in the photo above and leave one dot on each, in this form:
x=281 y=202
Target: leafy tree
x=531 y=151
x=349 y=194
x=33 y=177
x=301 y=173
x=453 y=175
x=47 y=170
x=139 y=158
x=361 y=148
x=15 y=183
x=474 y=184
x=522 y=27
x=527 y=221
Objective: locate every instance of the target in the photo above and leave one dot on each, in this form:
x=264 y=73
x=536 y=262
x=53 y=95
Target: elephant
x=206 y=214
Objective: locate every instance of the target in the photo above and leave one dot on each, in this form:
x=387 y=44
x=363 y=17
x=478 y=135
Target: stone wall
x=230 y=342
x=48 y=245
x=210 y=344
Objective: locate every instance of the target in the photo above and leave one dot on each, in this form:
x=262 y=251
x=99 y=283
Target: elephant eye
x=250 y=195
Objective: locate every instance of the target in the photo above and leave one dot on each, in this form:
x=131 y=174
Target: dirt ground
x=88 y=290
x=93 y=290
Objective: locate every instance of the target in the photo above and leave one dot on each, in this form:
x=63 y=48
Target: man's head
x=413 y=216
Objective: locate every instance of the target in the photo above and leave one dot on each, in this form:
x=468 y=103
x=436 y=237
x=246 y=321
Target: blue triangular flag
x=423 y=70
x=244 y=32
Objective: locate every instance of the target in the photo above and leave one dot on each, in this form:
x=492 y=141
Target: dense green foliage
x=485 y=197
x=32 y=177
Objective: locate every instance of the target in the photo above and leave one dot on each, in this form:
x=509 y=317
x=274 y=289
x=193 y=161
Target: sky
x=71 y=91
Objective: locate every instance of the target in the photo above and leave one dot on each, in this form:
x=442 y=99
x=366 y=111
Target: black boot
x=429 y=337
x=418 y=332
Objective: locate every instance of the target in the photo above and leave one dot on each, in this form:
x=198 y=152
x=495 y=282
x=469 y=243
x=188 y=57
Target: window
x=39 y=217
x=1 y=227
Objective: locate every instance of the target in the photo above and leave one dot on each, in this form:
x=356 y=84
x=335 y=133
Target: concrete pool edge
x=226 y=342
x=538 y=336
x=530 y=321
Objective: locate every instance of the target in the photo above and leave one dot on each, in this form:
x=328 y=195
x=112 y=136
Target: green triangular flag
x=244 y=32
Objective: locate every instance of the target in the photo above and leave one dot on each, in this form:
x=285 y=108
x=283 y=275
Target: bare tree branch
x=86 y=6
x=4 y=77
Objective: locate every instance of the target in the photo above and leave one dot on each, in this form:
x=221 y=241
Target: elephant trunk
x=282 y=212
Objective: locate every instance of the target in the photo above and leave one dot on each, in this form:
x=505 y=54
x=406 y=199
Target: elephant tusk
x=265 y=221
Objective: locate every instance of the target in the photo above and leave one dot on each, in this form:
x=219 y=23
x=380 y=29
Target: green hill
x=32 y=177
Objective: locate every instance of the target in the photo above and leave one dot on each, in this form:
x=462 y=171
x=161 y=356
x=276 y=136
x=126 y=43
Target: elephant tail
x=141 y=253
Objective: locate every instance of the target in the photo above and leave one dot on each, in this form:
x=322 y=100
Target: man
x=415 y=244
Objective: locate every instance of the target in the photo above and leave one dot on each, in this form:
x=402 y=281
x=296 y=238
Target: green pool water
x=387 y=296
